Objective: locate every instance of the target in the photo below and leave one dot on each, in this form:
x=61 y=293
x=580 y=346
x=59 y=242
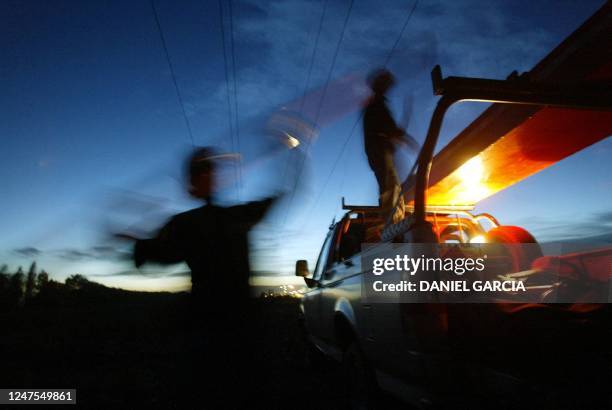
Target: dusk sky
x=93 y=138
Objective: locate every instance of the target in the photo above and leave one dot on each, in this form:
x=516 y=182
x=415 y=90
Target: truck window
x=351 y=240
x=323 y=260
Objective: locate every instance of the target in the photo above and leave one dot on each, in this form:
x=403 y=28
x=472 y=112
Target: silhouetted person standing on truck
x=213 y=241
x=381 y=138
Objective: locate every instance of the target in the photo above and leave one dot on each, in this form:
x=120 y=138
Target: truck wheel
x=316 y=358
x=361 y=387
x=521 y=257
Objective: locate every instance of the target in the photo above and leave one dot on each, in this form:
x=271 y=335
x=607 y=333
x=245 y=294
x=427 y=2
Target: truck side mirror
x=301 y=268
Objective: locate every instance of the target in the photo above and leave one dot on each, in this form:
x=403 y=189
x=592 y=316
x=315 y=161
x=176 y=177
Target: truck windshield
x=323 y=256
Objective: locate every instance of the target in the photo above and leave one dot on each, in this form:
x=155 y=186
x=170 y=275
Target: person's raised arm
x=165 y=248
x=253 y=212
x=396 y=133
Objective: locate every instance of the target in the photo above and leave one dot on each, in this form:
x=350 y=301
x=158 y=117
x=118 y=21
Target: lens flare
x=473 y=181
x=291 y=141
x=478 y=239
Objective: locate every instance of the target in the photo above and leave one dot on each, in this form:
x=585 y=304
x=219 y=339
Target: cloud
x=98 y=252
x=605 y=216
x=28 y=252
x=74 y=254
x=260 y=273
x=597 y=225
x=93 y=253
x=144 y=274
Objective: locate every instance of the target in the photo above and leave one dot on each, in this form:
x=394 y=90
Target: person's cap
x=204 y=159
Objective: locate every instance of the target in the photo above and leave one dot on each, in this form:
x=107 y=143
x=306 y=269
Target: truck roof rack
x=429 y=208
x=362 y=208
x=443 y=208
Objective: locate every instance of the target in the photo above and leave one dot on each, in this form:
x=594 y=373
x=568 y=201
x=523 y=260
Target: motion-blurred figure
x=381 y=138
x=213 y=241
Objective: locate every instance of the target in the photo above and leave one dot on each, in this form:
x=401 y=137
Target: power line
x=350 y=135
x=331 y=69
x=308 y=76
x=314 y=52
x=401 y=33
x=344 y=145
x=227 y=86
x=231 y=16
x=329 y=75
x=176 y=87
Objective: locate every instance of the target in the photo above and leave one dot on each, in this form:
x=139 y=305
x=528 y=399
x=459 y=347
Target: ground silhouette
x=120 y=349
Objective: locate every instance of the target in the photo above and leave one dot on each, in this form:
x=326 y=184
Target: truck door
x=312 y=298
x=339 y=282
x=404 y=333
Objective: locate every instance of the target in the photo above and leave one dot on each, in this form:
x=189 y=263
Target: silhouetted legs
x=388 y=184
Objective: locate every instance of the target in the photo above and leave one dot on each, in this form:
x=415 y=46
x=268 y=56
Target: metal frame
x=514 y=90
x=357 y=208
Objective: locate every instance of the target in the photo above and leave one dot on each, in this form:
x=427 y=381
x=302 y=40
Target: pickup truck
x=432 y=353
x=424 y=353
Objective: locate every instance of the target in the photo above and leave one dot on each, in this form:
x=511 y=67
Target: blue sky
x=92 y=137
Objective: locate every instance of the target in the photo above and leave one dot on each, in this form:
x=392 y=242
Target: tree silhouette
x=18 y=289
x=15 y=288
x=42 y=280
x=30 y=284
x=77 y=282
x=4 y=278
x=4 y=286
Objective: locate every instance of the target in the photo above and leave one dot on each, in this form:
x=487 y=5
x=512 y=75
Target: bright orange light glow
x=473 y=182
x=465 y=186
x=478 y=239
x=549 y=136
